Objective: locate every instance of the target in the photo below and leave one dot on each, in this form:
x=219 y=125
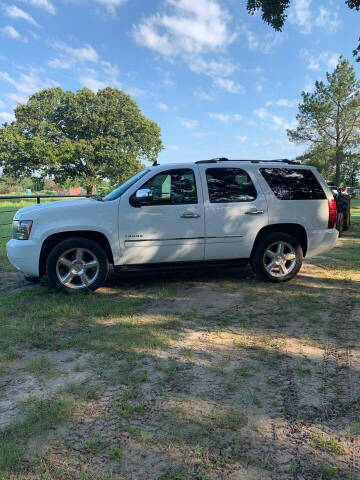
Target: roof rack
x=223 y=159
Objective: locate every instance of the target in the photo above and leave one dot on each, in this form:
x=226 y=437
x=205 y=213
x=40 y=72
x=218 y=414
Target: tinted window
x=229 y=185
x=173 y=187
x=293 y=184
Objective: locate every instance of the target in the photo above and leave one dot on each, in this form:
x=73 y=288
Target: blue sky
x=218 y=81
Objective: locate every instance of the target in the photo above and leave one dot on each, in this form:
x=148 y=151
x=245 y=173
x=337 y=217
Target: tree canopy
x=329 y=122
x=85 y=136
x=273 y=12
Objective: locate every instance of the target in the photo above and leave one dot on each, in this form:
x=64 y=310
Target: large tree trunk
x=338 y=159
x=89 y=189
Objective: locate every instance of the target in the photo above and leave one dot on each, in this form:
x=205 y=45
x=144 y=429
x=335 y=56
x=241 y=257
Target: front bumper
x=24 y=256
x=321 y=241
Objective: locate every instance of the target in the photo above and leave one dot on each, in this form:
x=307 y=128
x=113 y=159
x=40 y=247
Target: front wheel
x=278 y=257
x=77 y=264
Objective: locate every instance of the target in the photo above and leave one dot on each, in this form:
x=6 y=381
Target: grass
x=40 y=416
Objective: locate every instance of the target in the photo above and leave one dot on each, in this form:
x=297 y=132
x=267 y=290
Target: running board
x=159 y=267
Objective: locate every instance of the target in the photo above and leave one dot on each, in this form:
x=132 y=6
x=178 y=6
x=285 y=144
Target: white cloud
x=189 y=123
x=134 y=91
x=276 y=122
x=261 y=112
x=163 y=107
x=225 y=117
x=11 y=32
x=264 y=45
x=202 y=134
x=99 y=79
x=282 y=102
x=17 y=13
x=323 y=60
x=111 y=5
x=300 y=14
x=7 y=117
x=26 y=84
x=228 y=85
x=212 y=68
x=190 y=27
x=326 y=19
x=173 y=147
x=241 y=138
x=44 y=4
x=70 y=56
x=204 y=96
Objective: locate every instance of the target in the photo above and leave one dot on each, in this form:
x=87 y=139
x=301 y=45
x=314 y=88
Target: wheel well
x=56 y=238
x=298 y=231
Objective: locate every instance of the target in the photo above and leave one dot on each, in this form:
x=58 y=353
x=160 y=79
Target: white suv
x=210 y=213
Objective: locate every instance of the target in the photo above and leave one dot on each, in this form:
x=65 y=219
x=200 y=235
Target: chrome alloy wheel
x=77 y=268
x=279 y=259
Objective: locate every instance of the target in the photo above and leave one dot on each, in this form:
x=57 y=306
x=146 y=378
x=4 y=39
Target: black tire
x=258 y=258
x=90 y=247
x=32 y=279
x=340 y=223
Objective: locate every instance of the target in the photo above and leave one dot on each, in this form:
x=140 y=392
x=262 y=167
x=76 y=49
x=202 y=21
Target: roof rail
x=223 y=159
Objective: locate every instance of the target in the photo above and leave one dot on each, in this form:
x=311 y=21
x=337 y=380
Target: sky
x=218 y=81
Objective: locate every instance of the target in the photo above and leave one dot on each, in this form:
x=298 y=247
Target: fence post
x=37 y=199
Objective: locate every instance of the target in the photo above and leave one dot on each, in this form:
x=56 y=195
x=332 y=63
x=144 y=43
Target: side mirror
x=142 y=197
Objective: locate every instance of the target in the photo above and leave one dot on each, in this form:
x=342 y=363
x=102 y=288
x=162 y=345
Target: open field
x=186 y=376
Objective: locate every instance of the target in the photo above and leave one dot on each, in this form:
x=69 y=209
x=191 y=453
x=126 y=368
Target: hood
x=28 y=213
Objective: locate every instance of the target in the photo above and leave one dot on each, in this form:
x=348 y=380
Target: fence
x=22 y=197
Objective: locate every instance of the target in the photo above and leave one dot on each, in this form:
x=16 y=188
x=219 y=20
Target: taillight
x=332 y=213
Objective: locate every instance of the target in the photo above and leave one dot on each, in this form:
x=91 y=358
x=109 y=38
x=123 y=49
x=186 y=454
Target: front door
x=168 y=229
x=235 y=211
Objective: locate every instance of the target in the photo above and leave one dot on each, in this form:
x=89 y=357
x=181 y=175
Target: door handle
x=255 y=212
x=190 y=215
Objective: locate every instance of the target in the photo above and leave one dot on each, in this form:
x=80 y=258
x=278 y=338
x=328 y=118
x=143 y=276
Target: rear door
x=235 y=210
x=171 y=227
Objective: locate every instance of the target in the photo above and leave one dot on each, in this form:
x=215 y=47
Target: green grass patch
x=41 y=415
x=102 y=322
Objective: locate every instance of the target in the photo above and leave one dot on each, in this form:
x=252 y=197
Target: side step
x=163 y=267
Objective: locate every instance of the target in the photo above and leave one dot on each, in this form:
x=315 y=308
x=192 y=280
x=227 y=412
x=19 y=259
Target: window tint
x=173 y=187
x=293 y=184
x=227 y=185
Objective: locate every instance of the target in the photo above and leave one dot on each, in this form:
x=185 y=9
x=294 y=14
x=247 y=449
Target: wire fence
x=4 y=198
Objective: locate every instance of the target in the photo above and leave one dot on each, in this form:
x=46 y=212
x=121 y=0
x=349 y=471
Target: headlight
x=21 y=229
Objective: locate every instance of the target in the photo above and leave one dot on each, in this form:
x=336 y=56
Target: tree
x=79 y=136
x=350 y=174
x=329 y=118
x=273 y=12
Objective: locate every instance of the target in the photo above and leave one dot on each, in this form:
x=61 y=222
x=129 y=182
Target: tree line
x=88 y=138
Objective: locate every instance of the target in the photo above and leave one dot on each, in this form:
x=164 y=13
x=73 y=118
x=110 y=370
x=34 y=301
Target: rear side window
x=293 y=184
x=227 y=185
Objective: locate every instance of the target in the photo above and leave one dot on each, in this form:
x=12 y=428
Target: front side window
x=173 y=187
x=293 y=184
x=228 y=185
x=121 y=189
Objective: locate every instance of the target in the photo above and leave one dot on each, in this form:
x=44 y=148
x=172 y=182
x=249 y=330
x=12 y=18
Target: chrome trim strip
x=180 y=238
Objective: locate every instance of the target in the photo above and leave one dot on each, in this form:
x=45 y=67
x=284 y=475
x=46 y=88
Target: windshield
x=125 y=186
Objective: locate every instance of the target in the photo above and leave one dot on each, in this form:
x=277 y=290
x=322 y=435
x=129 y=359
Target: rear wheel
x=278 y=257
x=77 y=264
